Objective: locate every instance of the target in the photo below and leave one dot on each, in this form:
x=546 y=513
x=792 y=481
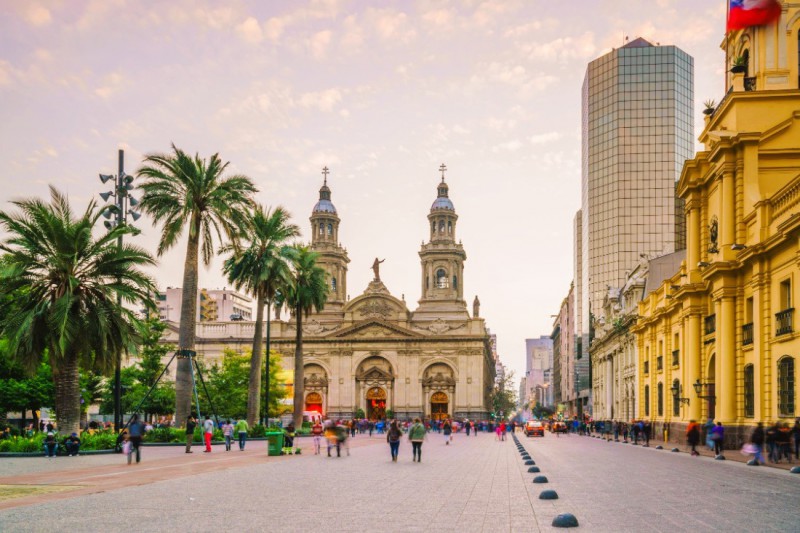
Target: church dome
x=324 y=205
x=443 y=202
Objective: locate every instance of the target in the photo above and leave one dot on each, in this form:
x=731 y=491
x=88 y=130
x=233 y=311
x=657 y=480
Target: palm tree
x=261 y=269
x=72 y=282
x=308 y=289
x=184 y=192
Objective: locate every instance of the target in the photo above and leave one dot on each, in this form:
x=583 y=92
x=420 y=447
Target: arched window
x=749 y=392
x=455 y=282
x=746 y=57
x=449 y=227
x=333 y=284
x=660 y=399
x=441 y=226
x=786 y=386
x=433 y=227
x=647 y=400
x=441 y=279
x=330 y=230
x=321 y=228
x=676 y=404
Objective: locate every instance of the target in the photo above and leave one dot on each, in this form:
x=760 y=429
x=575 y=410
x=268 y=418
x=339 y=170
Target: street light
x=699 y=387
x=123 y=184
x=676 y=394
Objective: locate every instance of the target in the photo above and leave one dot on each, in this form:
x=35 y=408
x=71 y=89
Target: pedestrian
x=50 y=445
x=783 y=442
x=353 y=428
x=227 y=432
x=241 y=429
x=693 y=436
x=136 y=432
x=771 y=435
x=467 y=426
x=288 y=439
x=393 y=437
x=371 y=426
x=796 y=433
x=191 y=423
x=718 y=438
x=757 y=440
x=707 y=427
x=316 y=431
x=447 y=430
x=417 y=435
x=208 y=432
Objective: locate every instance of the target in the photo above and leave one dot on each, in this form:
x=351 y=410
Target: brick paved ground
x=476 y=484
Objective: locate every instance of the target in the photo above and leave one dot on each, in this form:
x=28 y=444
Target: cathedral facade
x=372 y=353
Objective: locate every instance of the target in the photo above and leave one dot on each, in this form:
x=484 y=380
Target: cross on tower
x=325 y=173
x=442 y=169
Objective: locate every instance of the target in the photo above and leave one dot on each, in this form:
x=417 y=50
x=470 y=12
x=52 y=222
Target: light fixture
x=737 y=246
x=676 y=394
x=105 y=177
x=699 y=386
x=702 y=264
x=133 y=201
x=135 y=216
x=106 y=195
x=107 y=213
x=108 y=225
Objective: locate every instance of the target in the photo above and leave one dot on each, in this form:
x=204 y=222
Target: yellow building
x=719 y=339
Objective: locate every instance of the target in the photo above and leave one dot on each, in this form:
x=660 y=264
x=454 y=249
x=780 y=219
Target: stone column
x=727 y=234
x=726 y=360
x=693 y=341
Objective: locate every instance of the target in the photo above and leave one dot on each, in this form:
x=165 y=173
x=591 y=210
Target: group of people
x=778 y=441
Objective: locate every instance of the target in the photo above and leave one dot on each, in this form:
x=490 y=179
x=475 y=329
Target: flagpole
x=727 y=16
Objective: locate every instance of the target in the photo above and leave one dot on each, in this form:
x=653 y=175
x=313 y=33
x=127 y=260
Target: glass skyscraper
x=638 y=130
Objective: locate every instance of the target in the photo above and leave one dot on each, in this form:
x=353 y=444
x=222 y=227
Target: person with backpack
x=136 y=430
x=417 y=434
x=693 y=436
x=718 y=438
x=393 y=438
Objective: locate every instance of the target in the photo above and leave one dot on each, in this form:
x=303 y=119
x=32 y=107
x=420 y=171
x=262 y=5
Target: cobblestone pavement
x=475 y=484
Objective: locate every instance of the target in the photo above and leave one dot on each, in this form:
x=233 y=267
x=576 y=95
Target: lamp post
x=676 y=394
x=123 y=184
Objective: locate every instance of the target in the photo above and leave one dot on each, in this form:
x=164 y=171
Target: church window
x=321 y=228
x=333 y=284
x=433 y=227
x=455 y=282
x=660 y=399
x=330 y=230
x=449 y=228
x=647 y=400
x=441 y=279
x=749 y=392
x=676 y=403
x=786 y=386
x=441 y=226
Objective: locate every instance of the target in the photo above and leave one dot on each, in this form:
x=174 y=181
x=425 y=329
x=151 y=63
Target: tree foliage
x=503 y=398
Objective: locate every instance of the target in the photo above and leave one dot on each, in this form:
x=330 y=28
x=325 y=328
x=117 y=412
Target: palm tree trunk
x=67 y=395
x=298 y=371
x=254 y=387
x=187 y=331
x=266 y=373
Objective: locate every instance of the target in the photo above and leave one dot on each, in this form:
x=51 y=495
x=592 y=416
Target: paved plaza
x=475 y=484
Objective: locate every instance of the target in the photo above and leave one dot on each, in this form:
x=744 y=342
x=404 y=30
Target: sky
x=381 y=92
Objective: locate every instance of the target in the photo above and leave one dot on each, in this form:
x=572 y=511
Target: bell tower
x=325 y=242
x=442 y=257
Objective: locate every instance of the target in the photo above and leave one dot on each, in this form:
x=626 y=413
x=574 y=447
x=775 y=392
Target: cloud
x=514 y=75
x=563 y=49
x=391 y=25
x=441 y=19
x=273 y=28
x=5 y=73
x=112 y=82
x=322 y=100
x=37 y=15
x=509 y=146
x=544 y=138
x=250 y=31
x=319 y=43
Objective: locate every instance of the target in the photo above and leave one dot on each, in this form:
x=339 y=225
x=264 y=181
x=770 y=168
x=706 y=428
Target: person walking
x=796 y=433
x=467 y=426
x=757 y=440
x=393 y=437
x=417 y=434
x=693 y=436
x=771 y=435
x=707 y=427
x=447 y=430
x=136 y=433
x=783 y=442
x=718 y=438
x=191 y=423
x=208 y=432
x=316 y=432
x=227 y=432
x=241 y=430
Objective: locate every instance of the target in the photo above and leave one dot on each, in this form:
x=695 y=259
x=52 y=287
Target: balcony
x=676 y=358
x=747 y=334
x=660 y=363
x=711 y=324
x=784 y=321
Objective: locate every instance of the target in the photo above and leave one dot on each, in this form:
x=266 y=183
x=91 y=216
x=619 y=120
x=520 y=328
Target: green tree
x=71 y=282
x=308 y=290
x=261 y=267
x=22 y=391
x=503 y=399
x=181 y=192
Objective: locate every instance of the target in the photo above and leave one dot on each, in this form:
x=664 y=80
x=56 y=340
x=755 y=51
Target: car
x=534 y=428
x=558 y=427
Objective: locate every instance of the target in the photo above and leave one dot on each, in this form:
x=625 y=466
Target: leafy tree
x=503 y=398
x=72 y=282
x=308 y=290
x=21 y=391
x=181 y=192
x=262 y=269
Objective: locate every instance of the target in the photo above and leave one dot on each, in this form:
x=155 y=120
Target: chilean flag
x=746 y=13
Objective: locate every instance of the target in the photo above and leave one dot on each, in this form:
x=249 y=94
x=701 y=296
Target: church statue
x=476 y=307
x=376 y=267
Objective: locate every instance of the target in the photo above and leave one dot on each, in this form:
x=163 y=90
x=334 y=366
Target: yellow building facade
x=719 y=339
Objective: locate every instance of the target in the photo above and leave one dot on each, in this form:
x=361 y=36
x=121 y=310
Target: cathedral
x=372 y=353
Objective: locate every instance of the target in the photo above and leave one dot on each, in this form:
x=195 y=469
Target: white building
x=212 y=305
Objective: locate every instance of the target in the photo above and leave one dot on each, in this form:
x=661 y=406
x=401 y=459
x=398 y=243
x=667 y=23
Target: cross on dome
x=325 y=173
x=442 y=169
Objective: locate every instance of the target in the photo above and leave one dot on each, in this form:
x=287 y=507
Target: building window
x=433 y=227
x=660 y=363
x=441 y=226
x=330 y=230
x=455 y=282
x=441 y=279
x=786 y=294
x=647 y=400
x=321 y=228
x=647 y=367
x=333 y=284
x=784 y=317
x=749 y=392
x=786 y=386
x=449 y=228
x=676 y=404
x=660 y=399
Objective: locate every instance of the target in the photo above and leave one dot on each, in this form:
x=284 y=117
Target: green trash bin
x=274 y=442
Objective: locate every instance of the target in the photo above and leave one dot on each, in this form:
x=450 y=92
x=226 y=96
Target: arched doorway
x=314 y=402
x=439 y=405
x=376 y=403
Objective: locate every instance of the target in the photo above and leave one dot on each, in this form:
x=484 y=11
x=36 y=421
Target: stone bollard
x=534 y=469
x=540 y=479
x=719 y=457
x=565 y=520
x=529 y=462
x=675 y=450
x=795 y=470
x=548 y=495
x=659 y=447
x=752 y=462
